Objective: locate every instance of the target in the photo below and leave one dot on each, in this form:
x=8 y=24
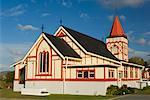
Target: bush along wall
x=115 y=90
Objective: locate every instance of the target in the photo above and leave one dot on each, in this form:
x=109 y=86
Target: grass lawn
x=8 y=93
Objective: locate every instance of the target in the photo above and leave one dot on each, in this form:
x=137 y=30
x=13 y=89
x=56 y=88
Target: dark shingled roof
x=91 y=44
x=62 y=46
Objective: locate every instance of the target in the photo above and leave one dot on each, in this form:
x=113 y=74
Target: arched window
x=44 y=61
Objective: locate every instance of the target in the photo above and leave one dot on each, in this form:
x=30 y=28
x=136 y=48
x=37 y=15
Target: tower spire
x=117 y=30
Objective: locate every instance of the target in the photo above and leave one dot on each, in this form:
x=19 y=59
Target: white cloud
x=122 y=17
x=33 y=1
x=14 y=11
x=130 y=36
x=26 y=27
x=12 y=52
x=111 y=17
x=148 y=42
x=84 y=15
x=122 y=3
x=66 y=3
x=147 y=33
x=143 y=54
x=141 y=41
x=45 y=14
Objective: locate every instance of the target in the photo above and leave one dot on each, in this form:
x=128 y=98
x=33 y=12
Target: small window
x=92 y=74
x=86 y=74
x=111 y=74
x=79 y=74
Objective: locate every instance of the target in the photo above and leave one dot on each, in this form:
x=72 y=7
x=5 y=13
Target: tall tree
x=137 y=60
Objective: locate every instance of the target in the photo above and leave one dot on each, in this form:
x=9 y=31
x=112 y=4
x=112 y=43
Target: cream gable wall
x=33 y=59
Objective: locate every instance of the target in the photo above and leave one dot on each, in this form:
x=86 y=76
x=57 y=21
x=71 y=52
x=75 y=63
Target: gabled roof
x=91 y=44
x=62 y=46
x=117 y=30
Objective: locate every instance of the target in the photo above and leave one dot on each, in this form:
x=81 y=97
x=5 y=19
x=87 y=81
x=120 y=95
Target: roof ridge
x=83 y=34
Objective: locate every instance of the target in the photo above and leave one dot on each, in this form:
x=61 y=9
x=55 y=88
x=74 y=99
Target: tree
x=137 y=60
x=9 y=77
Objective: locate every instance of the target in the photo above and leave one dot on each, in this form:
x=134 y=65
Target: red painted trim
x=94 y=72
x=85 y=70
x=116 y=42
x=61 y=33
x=70 y=73
x=91 y=80
x=31 y=57
x=124 y=79
x=45 y=79
x=43 y=75
x=59 y=79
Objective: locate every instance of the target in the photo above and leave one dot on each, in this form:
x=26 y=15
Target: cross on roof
x=42 y=28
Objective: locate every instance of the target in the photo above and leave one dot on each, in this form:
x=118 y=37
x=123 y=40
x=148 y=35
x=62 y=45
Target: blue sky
x=21 y=21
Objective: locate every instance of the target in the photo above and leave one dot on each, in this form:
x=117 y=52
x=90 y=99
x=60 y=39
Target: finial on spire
x=60 y=21
x=42 y=28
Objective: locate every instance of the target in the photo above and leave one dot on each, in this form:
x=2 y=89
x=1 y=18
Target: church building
x=70 y=62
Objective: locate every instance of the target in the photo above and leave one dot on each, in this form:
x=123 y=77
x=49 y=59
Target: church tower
x=117 y=41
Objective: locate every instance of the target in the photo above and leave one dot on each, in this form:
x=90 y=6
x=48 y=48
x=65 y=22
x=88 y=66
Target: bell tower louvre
x=117 y=41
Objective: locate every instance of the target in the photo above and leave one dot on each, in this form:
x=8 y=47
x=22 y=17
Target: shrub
x=132 y=90
x=146 y=88
x=112 y=90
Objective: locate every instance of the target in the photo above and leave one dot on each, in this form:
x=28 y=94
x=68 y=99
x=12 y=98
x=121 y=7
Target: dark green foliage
x=112 y=90
x=137 y=60
x=115 y=90
x=9 y=77
x=132 y=90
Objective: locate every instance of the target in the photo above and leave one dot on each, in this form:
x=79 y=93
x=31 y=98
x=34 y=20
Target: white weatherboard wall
x=76 y=88
x=87 y=88
x=17 y=87
x=53 y=87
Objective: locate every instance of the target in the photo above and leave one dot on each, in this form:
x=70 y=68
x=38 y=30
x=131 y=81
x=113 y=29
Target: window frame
x=87 y=72
x=111 y=73
x=44 y=63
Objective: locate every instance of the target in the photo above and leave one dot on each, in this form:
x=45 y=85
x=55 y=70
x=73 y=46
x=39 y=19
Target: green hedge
x=115 y=90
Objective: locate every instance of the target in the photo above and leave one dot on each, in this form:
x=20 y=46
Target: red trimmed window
x=136 y=72
x=131 y=72
x=85 y=74
x=125 y=72
x=44 y=62
x=111 y=74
